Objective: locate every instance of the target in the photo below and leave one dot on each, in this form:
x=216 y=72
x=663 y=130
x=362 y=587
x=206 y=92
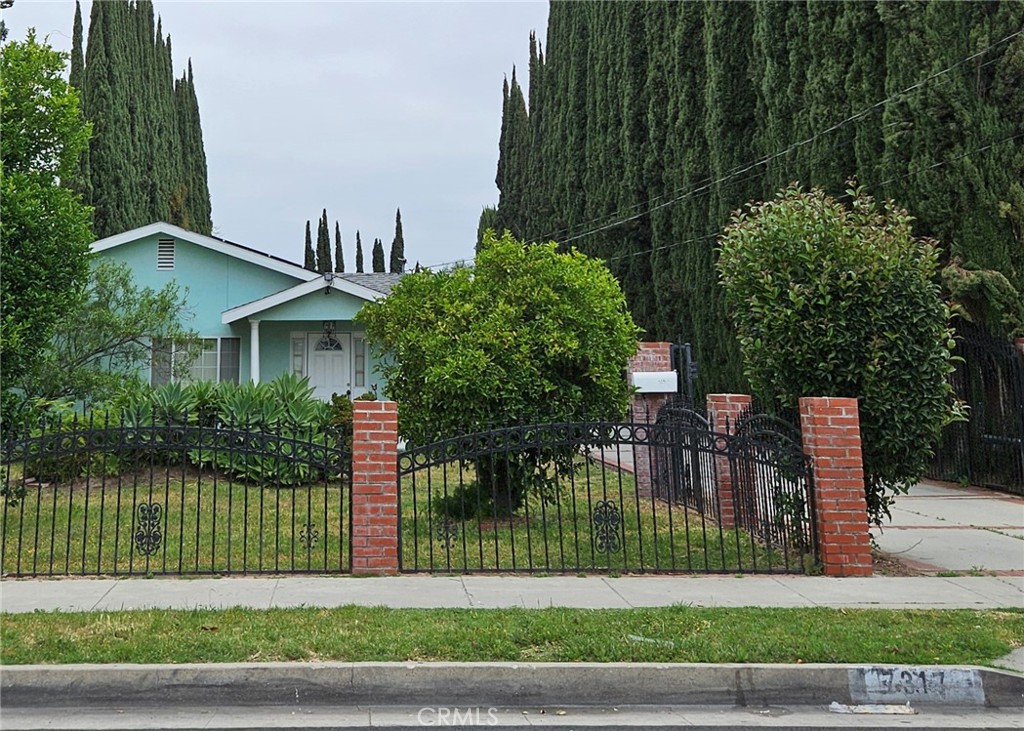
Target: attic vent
x=165 y=254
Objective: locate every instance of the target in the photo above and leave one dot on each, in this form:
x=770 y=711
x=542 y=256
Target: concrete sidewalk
x=490 y=592
x=940 y=528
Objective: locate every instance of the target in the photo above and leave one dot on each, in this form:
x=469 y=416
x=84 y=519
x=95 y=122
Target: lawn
x=666 y=634
x=174 y=521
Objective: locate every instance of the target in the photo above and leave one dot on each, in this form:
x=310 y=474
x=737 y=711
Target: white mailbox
x=661 y=382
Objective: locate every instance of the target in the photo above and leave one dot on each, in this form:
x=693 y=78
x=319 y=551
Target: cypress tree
x=194 y=154
x=378 y=256
x=339 y=256
x=76 y=77
x=323 y=245
x=146 y=160
x=310 y=258
x=108 y=147
x=488 y=220
x=397 y=261
x=359 y=253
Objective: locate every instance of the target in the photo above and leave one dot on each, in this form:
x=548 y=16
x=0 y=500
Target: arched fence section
x=564 y=498
x=81 y=497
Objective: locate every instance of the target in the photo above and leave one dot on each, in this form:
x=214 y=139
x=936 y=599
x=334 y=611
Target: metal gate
x=987 y=449
x=601 y=496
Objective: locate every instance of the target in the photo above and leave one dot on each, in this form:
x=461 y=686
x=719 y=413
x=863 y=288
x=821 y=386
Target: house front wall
x=289 y=334
x=213 y=282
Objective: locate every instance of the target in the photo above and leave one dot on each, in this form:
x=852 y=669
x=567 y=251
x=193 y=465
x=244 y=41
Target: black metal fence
x=607 y=497
x=80 y=497
x=987 y=449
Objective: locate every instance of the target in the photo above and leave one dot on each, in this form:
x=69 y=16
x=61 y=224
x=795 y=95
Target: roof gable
x=298 y=291
x=236 y=251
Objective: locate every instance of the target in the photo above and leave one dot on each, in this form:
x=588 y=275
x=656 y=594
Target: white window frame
x=219 y=339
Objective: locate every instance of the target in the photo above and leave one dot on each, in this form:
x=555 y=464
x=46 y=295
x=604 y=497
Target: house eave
x=263 y=304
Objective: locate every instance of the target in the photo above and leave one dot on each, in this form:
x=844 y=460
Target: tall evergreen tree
x=359 y=253
x=80 y=181
x=378 y=256
x=323 y=245
x=397 y=260
x=309 y=262
x=193 y=155
x=339 y=255
x=146 y=160
x=649 y=123
x=488 y=220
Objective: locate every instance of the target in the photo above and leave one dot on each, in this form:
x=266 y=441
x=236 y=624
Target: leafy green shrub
x=271 y=433
x=836 y=301
x=62 y=443
x=528 y=335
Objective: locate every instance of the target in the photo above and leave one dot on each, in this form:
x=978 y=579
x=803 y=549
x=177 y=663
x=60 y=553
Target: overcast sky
x=357 y=107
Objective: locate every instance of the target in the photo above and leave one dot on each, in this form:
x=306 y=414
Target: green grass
x=561 y=536
x=681 y=634
x=207 y=524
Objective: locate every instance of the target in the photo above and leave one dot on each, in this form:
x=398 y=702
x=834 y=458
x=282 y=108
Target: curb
x=506 y=684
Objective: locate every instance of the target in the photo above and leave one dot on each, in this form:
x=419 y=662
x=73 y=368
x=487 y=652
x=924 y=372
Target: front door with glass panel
x=330 y=364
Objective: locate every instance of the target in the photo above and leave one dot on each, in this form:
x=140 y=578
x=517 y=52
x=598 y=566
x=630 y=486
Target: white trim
x=254 y=351
x=233 y=250
x=299 y=290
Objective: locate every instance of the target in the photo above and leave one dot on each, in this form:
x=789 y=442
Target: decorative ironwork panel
x=147 y=529
x=607 y=519
x=447 y=532
x=309 y=535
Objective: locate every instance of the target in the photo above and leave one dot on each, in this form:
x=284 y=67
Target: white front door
x=330 y=364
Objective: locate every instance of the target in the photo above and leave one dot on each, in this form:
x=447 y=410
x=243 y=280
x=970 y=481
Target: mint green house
x=259 y=316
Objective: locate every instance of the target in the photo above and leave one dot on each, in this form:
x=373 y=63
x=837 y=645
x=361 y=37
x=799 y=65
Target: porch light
x=328 y=328
x=328 y=279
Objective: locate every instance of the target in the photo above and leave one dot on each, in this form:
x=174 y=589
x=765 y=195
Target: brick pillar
x=724 y=410
x=1019 y=342
x=650 y=358
x=374 y=536
x=831 y=435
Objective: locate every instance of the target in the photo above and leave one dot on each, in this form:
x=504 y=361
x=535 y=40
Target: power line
x=710 y=182
x=911 y=173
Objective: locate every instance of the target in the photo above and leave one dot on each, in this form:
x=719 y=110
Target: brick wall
x=831 y=437
x=724 y=410
x=374 y=487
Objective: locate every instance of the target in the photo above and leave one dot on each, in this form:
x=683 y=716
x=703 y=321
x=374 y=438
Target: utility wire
x=710 y=182
x=707 y=184
x=911 y=173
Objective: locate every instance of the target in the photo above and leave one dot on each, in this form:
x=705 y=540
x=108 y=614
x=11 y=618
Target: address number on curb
x=916 y=684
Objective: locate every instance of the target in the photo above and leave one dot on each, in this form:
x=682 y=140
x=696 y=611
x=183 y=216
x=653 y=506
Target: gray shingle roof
x=377 y=281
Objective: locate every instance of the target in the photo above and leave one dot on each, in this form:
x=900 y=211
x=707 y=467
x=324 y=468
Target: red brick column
x=374 y=537
x=831 y=436
x=650 y=358
x=724 y=410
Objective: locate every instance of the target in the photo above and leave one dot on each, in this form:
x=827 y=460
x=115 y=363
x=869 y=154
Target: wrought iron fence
x=987 y=449
x=606 y=497
x=88 y=498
